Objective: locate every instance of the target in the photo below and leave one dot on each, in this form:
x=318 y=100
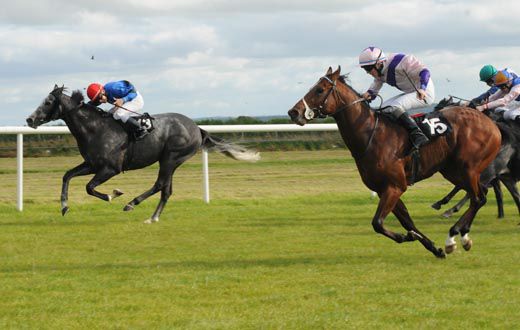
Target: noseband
x=317 y=112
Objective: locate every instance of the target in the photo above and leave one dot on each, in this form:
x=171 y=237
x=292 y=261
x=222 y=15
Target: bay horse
x=381 y=150
x=504 y=168
x=107 y=149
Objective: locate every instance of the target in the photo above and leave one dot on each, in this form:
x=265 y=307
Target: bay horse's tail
x=229 y=149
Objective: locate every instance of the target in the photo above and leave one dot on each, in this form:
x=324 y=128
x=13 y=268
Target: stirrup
x=419 y=140
x=140 y=134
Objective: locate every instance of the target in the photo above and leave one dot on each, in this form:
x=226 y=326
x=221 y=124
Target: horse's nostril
x=29 y=122
x=292 y=113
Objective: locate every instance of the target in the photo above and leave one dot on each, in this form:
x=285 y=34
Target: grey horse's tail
x=229 y=149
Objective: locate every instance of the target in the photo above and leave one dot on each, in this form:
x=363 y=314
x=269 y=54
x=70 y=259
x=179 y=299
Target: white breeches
x=136 y=105
x=408 y=101
x=512 y=110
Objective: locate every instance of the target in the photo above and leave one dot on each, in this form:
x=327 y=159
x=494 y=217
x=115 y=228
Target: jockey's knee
x=397 y=112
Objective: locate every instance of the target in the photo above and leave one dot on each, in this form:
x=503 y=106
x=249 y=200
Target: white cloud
x=230 y=57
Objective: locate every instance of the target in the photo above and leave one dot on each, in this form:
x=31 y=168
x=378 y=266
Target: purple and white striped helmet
x=371 y=56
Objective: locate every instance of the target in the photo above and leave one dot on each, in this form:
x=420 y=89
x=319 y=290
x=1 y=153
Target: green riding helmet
x=487 y=72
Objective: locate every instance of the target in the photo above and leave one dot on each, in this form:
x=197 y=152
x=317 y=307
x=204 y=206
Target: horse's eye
x=319 y=90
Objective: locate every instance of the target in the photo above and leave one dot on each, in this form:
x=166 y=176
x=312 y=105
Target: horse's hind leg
x=495 y=183
x=401 y=213
x=437 y=205
x=163 y=183
x=166 y=192
x=510 y=184
x=163 y=180
x=477 y=195
x=81 y=169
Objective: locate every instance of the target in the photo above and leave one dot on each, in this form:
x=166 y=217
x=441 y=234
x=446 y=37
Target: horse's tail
x=229 y=149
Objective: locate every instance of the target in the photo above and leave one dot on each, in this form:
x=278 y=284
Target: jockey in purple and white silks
x=406 y=73
x=507 y=98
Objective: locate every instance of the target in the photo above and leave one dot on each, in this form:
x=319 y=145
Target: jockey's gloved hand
x=368 y=96
x=472 y=104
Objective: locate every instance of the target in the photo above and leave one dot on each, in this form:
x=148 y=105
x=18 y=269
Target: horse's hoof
x=150 y=221
x=440 y=254
x=436 y=206
x=117 y=193
x=128 y=207
x=64 y=210
x=467 y=245
x=450 y=248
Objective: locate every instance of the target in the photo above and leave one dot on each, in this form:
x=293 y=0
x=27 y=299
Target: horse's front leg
x=81 y=169
x=102 y=176
x=448 y=213
x=387 y=202
x=401 y=213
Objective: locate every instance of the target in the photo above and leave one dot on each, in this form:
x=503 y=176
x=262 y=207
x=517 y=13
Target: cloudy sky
x=208 y=58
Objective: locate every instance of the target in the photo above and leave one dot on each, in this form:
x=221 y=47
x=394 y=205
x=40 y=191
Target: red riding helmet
x=93 y=91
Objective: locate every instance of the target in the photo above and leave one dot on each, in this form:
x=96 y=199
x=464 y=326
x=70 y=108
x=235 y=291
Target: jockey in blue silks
x=127 y=101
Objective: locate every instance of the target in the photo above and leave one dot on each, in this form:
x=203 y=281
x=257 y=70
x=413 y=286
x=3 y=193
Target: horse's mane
x=77 y=97
x=345 y=78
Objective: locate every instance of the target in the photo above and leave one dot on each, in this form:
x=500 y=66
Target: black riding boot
x=416 y=135
x=139 y=132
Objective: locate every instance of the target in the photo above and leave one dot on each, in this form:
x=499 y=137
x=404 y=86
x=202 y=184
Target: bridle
x=311 y=113
x=317 y=112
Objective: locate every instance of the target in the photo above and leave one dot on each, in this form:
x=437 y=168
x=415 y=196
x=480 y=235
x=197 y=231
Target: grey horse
x=107 y=149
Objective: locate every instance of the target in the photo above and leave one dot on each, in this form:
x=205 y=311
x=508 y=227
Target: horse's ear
x=55 y=86
x=329 y=71
x=336 y=73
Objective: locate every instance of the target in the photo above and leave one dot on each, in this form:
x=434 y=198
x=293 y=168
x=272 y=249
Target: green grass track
x=286 y=243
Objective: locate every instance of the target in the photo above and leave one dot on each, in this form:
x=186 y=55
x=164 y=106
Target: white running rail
x=21 y=131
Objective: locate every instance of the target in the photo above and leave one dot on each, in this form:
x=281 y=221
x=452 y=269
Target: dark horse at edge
x=381 y=151
x=107 y=149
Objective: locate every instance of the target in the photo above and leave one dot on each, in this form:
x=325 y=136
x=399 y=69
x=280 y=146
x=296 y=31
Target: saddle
x=432 y=124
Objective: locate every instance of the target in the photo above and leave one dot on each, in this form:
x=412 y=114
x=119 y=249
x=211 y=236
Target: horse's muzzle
x=296 y=117
x=30 y=122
